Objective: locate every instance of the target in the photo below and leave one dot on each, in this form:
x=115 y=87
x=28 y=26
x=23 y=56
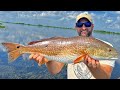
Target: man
x=90 y=68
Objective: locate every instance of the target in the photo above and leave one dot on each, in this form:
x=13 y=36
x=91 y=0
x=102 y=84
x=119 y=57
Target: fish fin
x=33 y=42
x=52 y=38
x=13 y=50
x=79 y=59
x=12 y=56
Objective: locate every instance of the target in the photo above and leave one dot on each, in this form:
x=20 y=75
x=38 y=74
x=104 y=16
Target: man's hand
x=99 y=71
x=90 y=62
x=54 y=67
x=38 y=58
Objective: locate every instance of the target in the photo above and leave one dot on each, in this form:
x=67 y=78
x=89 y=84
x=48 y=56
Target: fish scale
x=66 y=50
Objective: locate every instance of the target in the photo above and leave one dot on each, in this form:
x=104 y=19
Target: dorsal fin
x=46 y=39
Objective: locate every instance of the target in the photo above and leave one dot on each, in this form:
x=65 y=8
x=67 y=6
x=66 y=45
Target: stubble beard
x=87 y=35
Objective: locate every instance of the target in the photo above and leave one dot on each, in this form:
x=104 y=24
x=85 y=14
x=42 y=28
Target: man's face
x=84 y=30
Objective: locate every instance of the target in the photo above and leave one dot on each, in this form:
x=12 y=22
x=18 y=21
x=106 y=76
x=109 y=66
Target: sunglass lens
x=79 y=24
x=87 y=24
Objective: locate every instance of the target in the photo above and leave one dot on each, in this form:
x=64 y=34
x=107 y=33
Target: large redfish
x=66 y=50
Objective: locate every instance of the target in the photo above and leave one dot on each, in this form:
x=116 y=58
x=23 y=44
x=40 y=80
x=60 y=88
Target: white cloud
x=118 y=12
x=85 y=12
x=109 y=21
x=117 y=26
x=93 y=14
x=118 y=17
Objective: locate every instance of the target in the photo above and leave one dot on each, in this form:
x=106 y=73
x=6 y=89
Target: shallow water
x=23 y=68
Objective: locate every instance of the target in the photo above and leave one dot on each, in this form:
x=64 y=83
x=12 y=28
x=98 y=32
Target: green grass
x=1 y=26
x=106 y=32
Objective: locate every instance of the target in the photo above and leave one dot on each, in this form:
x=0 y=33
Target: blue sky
x=103 y=20
x=107 y=20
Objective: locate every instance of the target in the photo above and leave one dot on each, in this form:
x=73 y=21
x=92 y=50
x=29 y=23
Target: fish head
x=111 y=53
x=107 y=52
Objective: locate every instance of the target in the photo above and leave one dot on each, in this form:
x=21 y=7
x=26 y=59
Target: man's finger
x=97 y=63
x=31 y=56
x=89 y=62
x=35 y=56
x=93 y=63
x=46 y=60
x=86 y=59
x=39 y=58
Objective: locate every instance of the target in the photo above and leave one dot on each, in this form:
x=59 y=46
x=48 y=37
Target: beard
x=85 y=33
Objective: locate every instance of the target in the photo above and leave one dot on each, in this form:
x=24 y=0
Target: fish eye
x=18 y=46
x=110 y=50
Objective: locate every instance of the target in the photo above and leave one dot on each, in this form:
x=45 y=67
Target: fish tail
x=14 y=50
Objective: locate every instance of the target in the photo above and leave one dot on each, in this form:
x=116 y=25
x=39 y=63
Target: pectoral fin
x=79 y=59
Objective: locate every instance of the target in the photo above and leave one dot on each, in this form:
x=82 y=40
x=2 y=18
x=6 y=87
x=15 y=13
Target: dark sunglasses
x=80 y=24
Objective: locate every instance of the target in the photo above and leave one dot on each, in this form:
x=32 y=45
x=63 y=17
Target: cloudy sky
x=108 y=20
x=103 y=20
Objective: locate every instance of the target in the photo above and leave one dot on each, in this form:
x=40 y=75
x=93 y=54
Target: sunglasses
x=80 y=24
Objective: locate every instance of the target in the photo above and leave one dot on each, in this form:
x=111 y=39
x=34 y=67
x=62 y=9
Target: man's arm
x=99 y=71
x=54 y=67
x=102 y=72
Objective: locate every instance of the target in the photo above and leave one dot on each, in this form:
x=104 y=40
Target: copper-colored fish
x=66 y=50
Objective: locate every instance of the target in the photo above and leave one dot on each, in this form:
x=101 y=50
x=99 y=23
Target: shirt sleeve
x=108 y=62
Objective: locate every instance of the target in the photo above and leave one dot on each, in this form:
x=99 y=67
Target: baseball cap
x=84 y=15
